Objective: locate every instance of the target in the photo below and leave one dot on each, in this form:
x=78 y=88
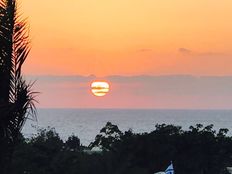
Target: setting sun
x=99 y=88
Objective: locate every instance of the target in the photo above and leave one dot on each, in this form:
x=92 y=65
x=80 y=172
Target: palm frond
x=5 y=53
x=16 y=97
x=17 y=102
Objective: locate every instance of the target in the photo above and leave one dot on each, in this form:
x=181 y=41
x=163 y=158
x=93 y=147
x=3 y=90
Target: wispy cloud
x=212 y=54
x=184 y=51
x=145 y=50
x=187 y=51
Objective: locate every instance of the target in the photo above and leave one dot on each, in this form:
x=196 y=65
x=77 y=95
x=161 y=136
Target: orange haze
x=129 y=37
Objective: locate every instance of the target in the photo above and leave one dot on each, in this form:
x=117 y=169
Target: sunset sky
x=129 y=38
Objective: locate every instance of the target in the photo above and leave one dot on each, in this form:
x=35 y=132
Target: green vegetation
x=199 y=150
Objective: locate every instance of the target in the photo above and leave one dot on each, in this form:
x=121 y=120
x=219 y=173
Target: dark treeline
x=199 y=150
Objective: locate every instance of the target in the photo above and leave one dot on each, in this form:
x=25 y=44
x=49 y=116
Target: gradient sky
x=125 y=37
x=110 y=37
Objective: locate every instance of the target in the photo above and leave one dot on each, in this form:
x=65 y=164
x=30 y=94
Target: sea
x=87 y=123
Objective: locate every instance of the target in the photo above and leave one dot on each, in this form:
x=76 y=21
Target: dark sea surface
x=86 y=123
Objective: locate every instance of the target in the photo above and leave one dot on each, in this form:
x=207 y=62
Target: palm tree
x=16 y=96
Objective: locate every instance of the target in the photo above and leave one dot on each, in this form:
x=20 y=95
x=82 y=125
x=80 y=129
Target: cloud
x=184 y=51
x=187 y=51
x=212 y=54
x=145 y=50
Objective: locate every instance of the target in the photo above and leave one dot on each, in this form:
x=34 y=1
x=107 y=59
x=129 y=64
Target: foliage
x=16 y=97
x=73 y=143
x=108 y=136
x=199 y=150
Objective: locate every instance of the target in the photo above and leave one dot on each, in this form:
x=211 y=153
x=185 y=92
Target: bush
x=199 y=150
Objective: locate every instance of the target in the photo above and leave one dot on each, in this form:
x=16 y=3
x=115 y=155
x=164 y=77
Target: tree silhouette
x=16 y=96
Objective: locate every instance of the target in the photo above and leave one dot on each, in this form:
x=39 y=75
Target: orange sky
x=106 y=37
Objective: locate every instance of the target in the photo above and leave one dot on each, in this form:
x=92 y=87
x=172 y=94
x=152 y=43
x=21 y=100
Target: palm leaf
x=16 y=96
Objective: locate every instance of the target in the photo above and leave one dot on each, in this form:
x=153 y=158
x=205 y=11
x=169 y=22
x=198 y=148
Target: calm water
x=86 y=123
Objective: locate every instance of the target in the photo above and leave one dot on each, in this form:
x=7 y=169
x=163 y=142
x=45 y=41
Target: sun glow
x=99 y=88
